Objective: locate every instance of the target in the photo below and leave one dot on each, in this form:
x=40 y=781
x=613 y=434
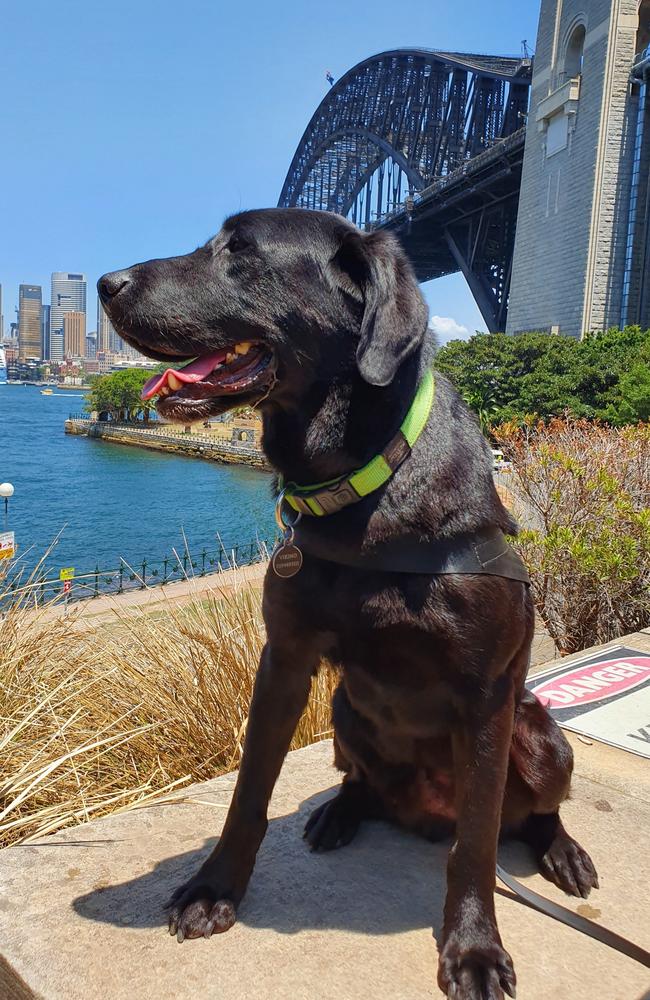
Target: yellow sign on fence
x=67 y=573
x=7 y=545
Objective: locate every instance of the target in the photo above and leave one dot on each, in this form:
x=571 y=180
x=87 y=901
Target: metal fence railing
x=85 y=416
x=37 y=588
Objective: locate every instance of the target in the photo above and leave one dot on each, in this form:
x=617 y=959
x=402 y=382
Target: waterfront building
x=3 y=366
x=23 y=370
x=29 y=321
x=74 y=334
x=68 y=295
x=2 y=319
x=45 y=332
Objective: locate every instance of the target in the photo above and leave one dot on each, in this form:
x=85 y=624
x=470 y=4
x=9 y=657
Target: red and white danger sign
x=605 y=695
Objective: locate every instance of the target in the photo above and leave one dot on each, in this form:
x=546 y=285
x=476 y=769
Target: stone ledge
x=81 y=912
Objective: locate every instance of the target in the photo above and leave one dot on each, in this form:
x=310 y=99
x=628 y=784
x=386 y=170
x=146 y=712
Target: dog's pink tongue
x=192 y=372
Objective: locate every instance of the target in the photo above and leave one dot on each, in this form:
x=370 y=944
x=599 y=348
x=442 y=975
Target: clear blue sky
x=130 y=129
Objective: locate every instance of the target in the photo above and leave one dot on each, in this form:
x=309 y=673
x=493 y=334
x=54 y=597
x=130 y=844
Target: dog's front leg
x=206 y=904
x=473 y=964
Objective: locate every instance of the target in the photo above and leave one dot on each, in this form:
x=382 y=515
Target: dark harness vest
x=484 y=552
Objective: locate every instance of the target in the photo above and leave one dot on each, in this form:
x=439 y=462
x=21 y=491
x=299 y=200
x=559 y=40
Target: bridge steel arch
x=398 y=125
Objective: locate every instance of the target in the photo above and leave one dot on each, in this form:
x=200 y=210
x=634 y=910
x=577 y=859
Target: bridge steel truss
x=396 y=138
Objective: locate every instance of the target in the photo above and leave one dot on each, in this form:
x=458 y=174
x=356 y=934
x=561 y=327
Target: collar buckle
x=286 y=527
x=397 y=452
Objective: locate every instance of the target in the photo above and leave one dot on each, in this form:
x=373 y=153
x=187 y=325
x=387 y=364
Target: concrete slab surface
x=81 y=912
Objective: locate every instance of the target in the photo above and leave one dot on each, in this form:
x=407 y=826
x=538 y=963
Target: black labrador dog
x=324 y=329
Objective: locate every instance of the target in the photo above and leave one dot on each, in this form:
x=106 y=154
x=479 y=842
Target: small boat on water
x=47 y=392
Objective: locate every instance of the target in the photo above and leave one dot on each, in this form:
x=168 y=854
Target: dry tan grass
x=102 y=718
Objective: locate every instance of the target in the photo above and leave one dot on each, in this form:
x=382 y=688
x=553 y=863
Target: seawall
x=195 y=444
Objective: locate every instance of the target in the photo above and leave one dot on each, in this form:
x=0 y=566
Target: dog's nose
x=110 y=285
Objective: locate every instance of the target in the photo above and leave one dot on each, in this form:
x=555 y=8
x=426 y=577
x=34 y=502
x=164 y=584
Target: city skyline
x=57 y=332
x=200 y=148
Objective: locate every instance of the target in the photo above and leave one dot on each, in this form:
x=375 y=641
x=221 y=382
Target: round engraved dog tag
x=287 y=561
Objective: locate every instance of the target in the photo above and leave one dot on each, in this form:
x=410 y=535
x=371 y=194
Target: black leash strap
x=571 y=919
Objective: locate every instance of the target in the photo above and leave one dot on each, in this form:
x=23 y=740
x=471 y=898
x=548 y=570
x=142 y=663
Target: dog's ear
x=395 y=314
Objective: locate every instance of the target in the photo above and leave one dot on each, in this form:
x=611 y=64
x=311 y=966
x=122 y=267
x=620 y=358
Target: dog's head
x=280 y=299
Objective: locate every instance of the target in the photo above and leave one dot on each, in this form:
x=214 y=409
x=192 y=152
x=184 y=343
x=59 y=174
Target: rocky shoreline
x=193 y=444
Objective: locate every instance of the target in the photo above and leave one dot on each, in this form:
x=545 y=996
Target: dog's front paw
x=198 y=909
x=479 y=972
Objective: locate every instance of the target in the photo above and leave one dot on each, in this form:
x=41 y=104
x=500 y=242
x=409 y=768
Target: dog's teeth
x=164 y=391
x=173 y=382
x=243 y=348
x=230 y=357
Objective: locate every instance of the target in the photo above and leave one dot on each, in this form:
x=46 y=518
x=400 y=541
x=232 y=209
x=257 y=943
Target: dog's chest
x=392 y=646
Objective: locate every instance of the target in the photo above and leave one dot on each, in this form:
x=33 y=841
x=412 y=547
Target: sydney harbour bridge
x=429 y=145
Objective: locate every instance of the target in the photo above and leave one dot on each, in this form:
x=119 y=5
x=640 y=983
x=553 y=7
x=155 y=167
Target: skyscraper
x=56 y=345
x=74 y=334
x=107 y=337
x=29 y=321
x=68 y=295
x=45 y=332
x=104 y=329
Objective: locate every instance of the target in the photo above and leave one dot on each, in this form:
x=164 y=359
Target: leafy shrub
x=582 y=496
x=604 y=377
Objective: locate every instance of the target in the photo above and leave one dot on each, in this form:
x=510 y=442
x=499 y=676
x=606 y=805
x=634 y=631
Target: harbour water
x=110 y=501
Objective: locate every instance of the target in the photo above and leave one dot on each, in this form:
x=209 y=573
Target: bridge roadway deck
x=481 y=183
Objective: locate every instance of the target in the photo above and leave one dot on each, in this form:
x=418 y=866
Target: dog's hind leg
x=335 y=823
x=541 y=763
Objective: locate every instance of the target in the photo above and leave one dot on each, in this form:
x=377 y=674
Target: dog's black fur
x=433 y=727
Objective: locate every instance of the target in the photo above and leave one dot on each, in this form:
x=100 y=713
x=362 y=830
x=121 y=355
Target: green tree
x=120 y=394
x=606 y=376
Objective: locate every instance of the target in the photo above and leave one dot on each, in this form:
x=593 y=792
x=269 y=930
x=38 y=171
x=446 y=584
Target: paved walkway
x=153 y=599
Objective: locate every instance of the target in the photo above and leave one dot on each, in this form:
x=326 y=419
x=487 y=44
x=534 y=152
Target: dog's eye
x=237 y=243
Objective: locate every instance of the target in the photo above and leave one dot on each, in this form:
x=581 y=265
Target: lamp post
x=6 y=491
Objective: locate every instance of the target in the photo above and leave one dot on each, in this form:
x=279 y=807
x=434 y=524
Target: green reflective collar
x=330 y=497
